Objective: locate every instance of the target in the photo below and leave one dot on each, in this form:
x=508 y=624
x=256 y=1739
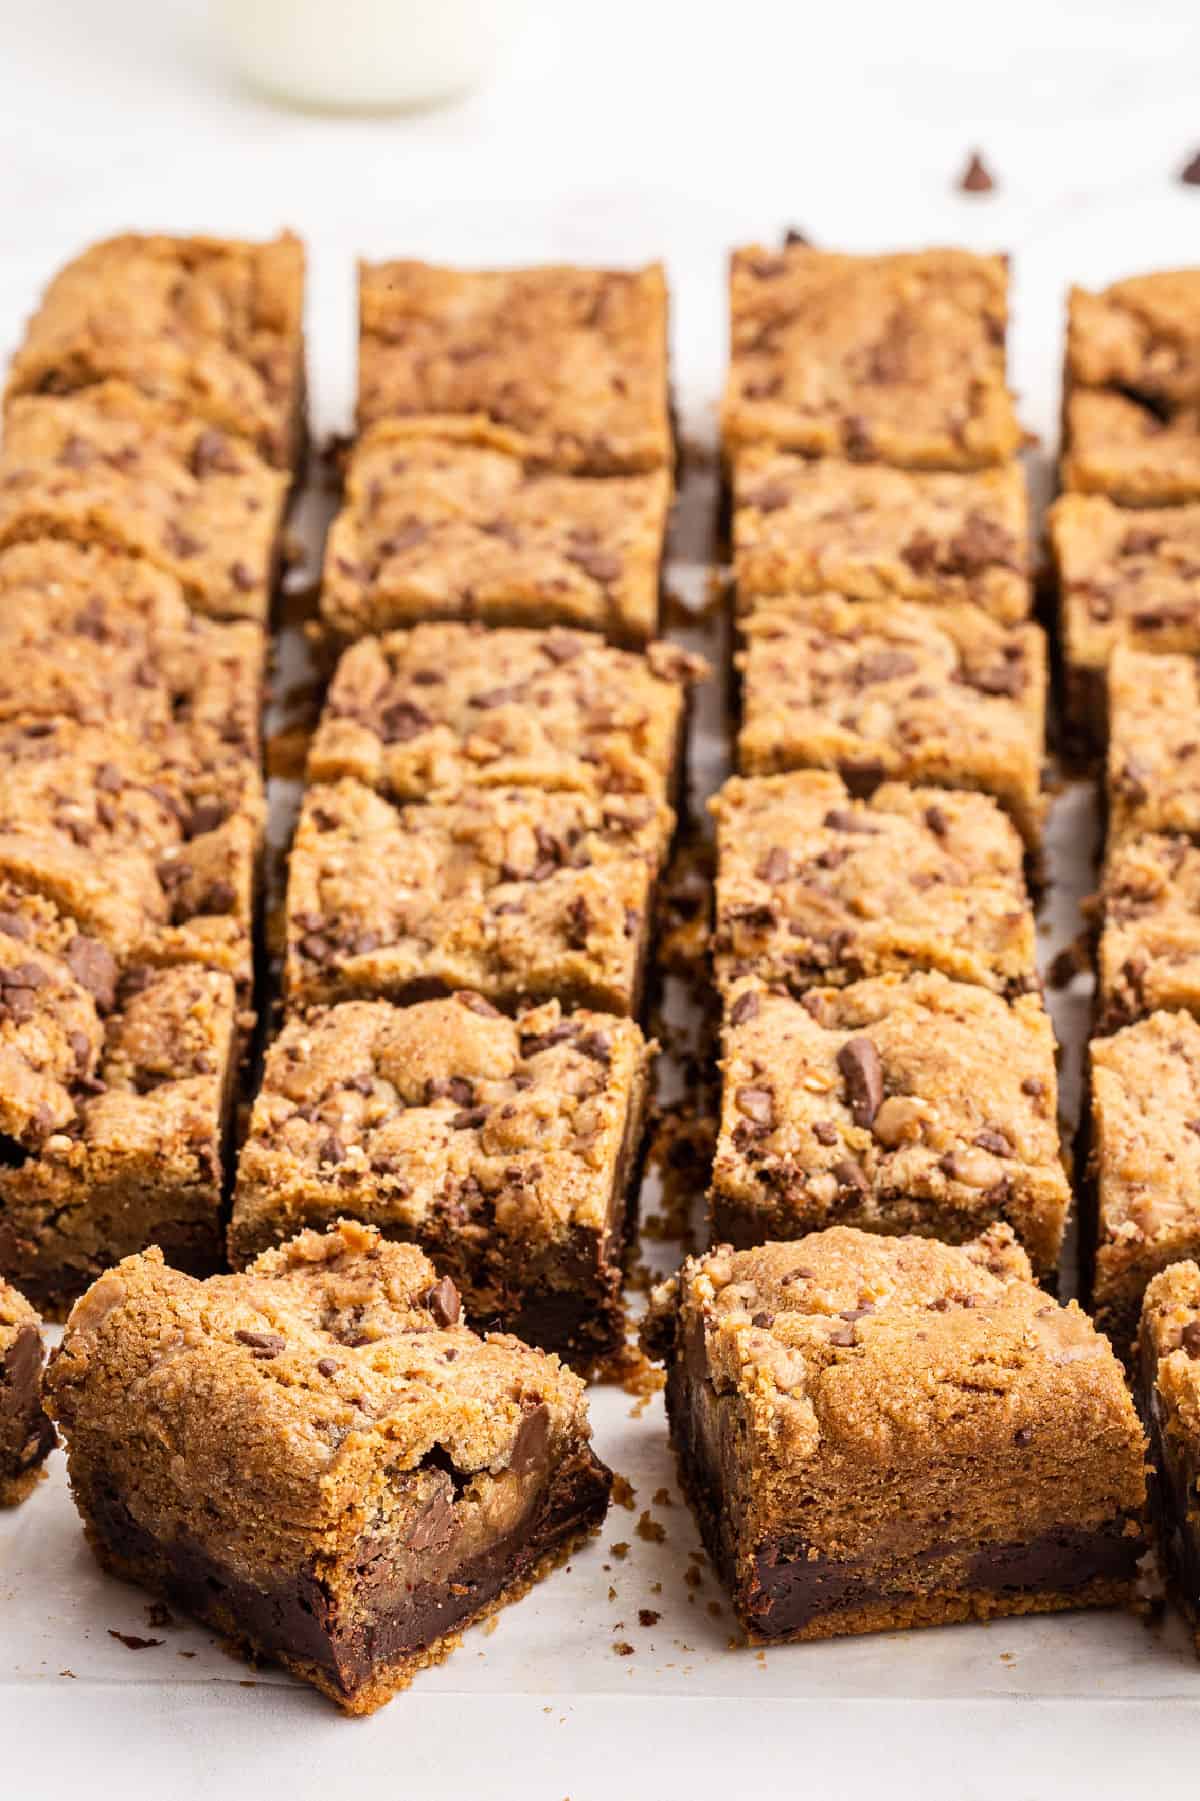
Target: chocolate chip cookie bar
x=890 y=359
x=519 y=895
x=318 y=1459
x=459 y=526
x=884 y=1433
x=211 y=324
x=817 y=889
x=109 y=467
x=444 y=707
x=1153 y=774
x=1169 y=1397
x=506 y=1148
x=26 y=1435
x=1141 y=1197
x=1149 y=909
x=884 y=691
x=874 y=533
x=572 y=363
x=898 y=1104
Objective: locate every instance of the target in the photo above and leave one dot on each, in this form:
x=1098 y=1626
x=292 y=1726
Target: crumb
x=620 y=1550
x=490 y=1624
x=648 y=1617
x=1071 y=961
x=132 y=1642
x=69 y=1673
x=651 y=1530
x=159 y=1617
x=760 y=1658
x=623 y=1491
x=682 y=1142
x=661 y=1497
x=633 y=1371
x=1008 y=1657
x=976 y=177
x=612 y=1593
x=287 y=752
x=623 y=1648
x=656 y=1588
x=185 y=1653
x=715 y=1608
x=693 y=1577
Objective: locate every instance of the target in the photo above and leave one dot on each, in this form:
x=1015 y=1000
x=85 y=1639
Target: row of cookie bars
x=153 y=428
x=491 y=795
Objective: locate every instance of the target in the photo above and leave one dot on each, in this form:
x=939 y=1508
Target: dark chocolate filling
x=1172 y=1496
x=26 y=1435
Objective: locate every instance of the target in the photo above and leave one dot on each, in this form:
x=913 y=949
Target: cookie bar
x=109 y=467
x=445 y=707
x=507 y=1149
x=26 y=1435
x=884 y=691
x=1153 y=776
x=816 y=889
x=1121 y=448
x=1169 y=1396
x=519 y=895
x=1141 y=1197
x=874 y=533
x=898 y=1104
x=1121 y=580
x=890 y=359
x=884 y=1433
x=116 y=1116
x=461 y=526
x=572 y=363
x=1149 y=907
x=214 y=325
x=328 y=1467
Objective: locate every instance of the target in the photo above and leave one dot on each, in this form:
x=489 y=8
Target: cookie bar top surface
x=308 y=1382
x=1154 y=744
x=504 y=890
x=915 y=1102
x=1149 y=956
x=447 y=1108
x=892 y=359
x=573 y=362
x=1122 y=579
x=108 y=466
x=459 y=525
x=814 y=887
x=885 y=690
x=874 y=533
x=1140 y=336
x=1171 y=1341
x=15 y=1314
x=208 y=322
x=1126 y=449
x=1145 y=1147
x=446 y=706
x=51 y=1033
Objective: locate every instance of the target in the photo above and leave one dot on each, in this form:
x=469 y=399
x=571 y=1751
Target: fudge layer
x=1141 y=1199
x=327 y=1467
x=519 y=895
x=1169 y=1396
x=109 y=467
x=507 y=1149
x=210 y=323
x=571 y=362
x=885 y=691
x=460 y=525
x=1121 y=580
x=874 y=533
x=443 y=707
x=880 y=1433
x=1149 y=908
x=1153 y=773
x=815 y=888
x=892 y=359
x=898 y=1104
x=26 y=1434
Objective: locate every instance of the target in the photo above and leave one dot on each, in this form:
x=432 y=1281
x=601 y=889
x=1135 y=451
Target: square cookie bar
x=506 y=1148
x=1169 y=1397
x=571 y=362
x=444 y=707
x=26 y=1434
x=519 y=895
x=1153 y=773
x=874 y=533
x=817 y=889
x=881 y=1433
x=109 y=467
x=1141 y=1162
x=460 y=526
x=1149 y=911
x=898 y=1104
x=883 y=691
x=329 y=1468
x=215 y=325
x=1121 y=580
x=891 y=359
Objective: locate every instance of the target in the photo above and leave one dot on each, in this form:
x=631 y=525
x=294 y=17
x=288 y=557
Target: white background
x=618 y=131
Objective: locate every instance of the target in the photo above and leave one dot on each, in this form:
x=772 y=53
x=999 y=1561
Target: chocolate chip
x=212 y=454
x=442 y=1300
x=883 y=666
x=994 y=1141
x=264 y=1344
x=327 y=1367
x=763 y=1321
x=792 y=236
x=825 y=1132
x=560 y=648
x=843 y=1336
x=13 y=926
x=533 y=1437
x=596 y=1046
x=332 y=1150
x=757 y=1104
x=774 y=866
x=601 y=565
x=769 y=498
x=1189 y=1338
x=402 y=721
x=94 y=968
x=976 y=178
x=475 y=1003
x=937 y=822
x=469 y=1120
x=744 y=1008
x=1033 y=1085
x=851 y=1176
x=1189 y=175
x=862 y=1073
x=1023 y=1435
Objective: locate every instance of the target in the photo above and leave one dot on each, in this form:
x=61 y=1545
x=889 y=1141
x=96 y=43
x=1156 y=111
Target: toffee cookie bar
x=461 y=526
x=884 y=691
x=1169 y=1396
x=572 y=363
x=214 y=325
x=1153 y=775
x=507 y=1149
x=898 y=1104
x=817 y=889
x=327 y=1466
x=1149 y=907
x=883 y=1433
x=890 y=359
x=26 y=1434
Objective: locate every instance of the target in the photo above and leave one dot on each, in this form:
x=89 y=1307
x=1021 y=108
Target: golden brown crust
x=1125 y=580
x=1153 y=776
x=1149 y=957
